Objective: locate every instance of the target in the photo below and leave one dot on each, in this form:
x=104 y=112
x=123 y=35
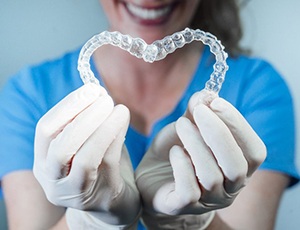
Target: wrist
x=184 y=222
x=78 y=219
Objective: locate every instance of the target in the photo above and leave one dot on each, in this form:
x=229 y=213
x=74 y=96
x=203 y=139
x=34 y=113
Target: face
x=149 y=19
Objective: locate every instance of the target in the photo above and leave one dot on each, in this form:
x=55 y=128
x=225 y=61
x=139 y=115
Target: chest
x=147 y=106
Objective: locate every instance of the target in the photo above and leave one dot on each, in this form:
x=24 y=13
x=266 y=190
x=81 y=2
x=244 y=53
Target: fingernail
x=217 y=104
x=93 y=90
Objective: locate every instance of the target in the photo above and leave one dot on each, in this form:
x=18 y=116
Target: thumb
x=201 y=97
x=164 y=141
x=173 y=196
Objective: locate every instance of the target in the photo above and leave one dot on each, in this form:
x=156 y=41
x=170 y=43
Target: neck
x=150 y=91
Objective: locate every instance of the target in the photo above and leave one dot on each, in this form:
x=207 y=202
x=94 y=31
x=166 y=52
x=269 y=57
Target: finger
x=224 y=147
x=70 y=140
x=186 y=183
x=119 y=116
x=112 y=157
x=61 y=114
x=206 y=167
x=88 y=159
x=171 y=197
x=201 y=97
x=164 y=141
x=253 y=148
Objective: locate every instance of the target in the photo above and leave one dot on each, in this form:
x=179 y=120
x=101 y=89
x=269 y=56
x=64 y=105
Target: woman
x=80 y=160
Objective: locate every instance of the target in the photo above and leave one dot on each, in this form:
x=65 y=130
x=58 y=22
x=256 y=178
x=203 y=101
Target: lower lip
x=151 y=22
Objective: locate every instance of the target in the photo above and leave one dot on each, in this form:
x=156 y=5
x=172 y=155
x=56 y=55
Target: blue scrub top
x=252 y=85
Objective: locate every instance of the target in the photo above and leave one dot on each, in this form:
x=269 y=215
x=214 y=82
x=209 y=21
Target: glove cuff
x=180 y=222
x=78 y=219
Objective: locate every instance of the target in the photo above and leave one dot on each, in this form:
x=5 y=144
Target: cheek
x=191 y=10
x=116 y=14
x=110 y=8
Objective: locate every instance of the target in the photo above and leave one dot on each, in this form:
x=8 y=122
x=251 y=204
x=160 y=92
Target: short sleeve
x=18 y=116
x=24 y=99
x=267 y=104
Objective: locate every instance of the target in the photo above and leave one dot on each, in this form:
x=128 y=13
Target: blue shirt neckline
x=182 y=103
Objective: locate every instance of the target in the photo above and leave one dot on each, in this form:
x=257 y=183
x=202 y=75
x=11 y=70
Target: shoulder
x=54 y=73
x=48 y=81
x=24 y=99
x=262 y=95
x=250 y=79
x=30 y=93
x=258 y=91
x=250 y=69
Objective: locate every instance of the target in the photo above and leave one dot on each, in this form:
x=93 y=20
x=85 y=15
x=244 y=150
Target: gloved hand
x=197 y=164
x=82 y=163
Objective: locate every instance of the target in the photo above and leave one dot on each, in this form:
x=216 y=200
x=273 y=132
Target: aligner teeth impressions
x=156 y=51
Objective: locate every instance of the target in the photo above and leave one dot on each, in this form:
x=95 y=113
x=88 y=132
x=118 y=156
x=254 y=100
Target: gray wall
x=35 y=31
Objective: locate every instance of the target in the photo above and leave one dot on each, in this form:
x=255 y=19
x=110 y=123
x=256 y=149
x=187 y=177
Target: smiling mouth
x=150 y=16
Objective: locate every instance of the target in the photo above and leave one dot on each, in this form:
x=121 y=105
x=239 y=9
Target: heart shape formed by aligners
x=156 y=51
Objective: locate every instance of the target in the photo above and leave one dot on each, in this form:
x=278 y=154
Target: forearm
x=26 y=204
x=78 y=219
x=158 y=221
x=258 y=201
x=218 y=224
x=61 y=224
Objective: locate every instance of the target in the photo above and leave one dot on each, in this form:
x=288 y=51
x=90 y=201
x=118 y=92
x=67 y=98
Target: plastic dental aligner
x=156 y=51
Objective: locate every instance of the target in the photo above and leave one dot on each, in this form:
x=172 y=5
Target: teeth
x=148 y=14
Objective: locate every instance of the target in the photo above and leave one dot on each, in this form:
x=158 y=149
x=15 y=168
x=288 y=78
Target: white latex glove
x=197 y=164
x=81 y=161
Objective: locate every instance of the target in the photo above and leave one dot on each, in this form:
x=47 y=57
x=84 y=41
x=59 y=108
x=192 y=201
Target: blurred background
x=40 y=30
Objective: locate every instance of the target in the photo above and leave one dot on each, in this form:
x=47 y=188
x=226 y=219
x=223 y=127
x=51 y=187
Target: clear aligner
x=156 y=51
